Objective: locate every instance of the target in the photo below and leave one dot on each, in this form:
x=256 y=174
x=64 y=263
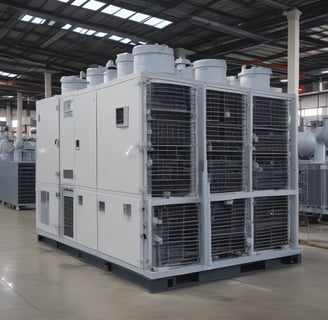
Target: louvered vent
x=228 y=228
x=68 y=217
x=270 y=143
x=171 y=140
x=176 y=234
x=225 y=133
x=26 y=183
x=44 y=206
x=271 y=222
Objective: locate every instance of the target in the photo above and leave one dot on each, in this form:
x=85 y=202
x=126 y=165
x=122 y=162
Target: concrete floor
x=39 y=283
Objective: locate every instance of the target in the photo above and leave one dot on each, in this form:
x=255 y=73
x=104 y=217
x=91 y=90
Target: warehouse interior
x=167 y=147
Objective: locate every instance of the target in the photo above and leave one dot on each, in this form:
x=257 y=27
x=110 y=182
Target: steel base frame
x=178 y=281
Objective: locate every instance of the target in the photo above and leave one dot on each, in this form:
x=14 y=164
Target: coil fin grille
x=225 y=132
x=176 y=234
x=68 y=217
x=270 y=143
x=228 y=228
x=171 y=140
x=271 y=222
x=26 y=183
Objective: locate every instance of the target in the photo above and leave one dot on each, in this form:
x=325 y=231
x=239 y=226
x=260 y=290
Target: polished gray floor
x=38 y=282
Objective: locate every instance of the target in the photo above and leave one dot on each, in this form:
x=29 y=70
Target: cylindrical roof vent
x=153 y=58
x=71 y=83
x=124 y=62
x=95 y=75
x=110 y=71
x=210 y=70
x=255 y=77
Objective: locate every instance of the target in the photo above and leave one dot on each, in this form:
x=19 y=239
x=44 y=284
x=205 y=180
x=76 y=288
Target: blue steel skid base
x=177 y=281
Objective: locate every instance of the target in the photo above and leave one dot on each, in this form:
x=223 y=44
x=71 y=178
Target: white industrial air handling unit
x=170 y=180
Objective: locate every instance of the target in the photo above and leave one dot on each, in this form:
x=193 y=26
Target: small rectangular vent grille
x=270 y=143
x=68 y=216
x=68 y=174
x=228 y=228
x=271 y=219
x=26 y=183
x=176 y=234
x=44 y=206
x=225 y=133
x=171 y=140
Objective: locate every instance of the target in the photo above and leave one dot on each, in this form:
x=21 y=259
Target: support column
x=9 y=119
x=293 y=17
x=19 y=115
x=47 y=84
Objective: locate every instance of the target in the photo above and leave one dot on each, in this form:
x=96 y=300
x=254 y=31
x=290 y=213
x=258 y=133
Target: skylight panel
x=101 y=34
x=51 y=23
x=153 y=21
x=163 y=24
x=94 y=5
x=115 y=37
x=111 y=9
x=126 y=40
x=124 y=13
x=142 y=42
x=78 y=3
x=90 y=32
x=26 y=18
x=67 y=26
x=38 y=20
x=65 y=1
x=139 y=17
x=8 y=74
x=80 y=30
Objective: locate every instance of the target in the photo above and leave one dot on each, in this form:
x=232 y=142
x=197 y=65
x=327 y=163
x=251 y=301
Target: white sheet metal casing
x=47 y=165
x=125 y=236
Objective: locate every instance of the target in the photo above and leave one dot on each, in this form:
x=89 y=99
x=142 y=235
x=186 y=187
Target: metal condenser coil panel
x=171 y=140
x=225 y=135
x=271 y=219
x=228 y=228
x=176 y=234
x=270 y=143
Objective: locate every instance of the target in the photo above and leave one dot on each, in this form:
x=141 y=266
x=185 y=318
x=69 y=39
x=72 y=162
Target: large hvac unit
x=169 y=180
x=17 y=170
x=313 y=171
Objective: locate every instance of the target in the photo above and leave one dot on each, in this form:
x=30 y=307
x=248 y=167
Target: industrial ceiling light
x=94 y=5
x=126 y=40
x=26 y=18
x=90 y=32
x=67 y=26
x=78 y=3
x=139 y=17
x=7 y=74
x=101 y=34
x=124 y=13
x=324 y=71
x=111 y=9
x=38 y=20
x=115 y=37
